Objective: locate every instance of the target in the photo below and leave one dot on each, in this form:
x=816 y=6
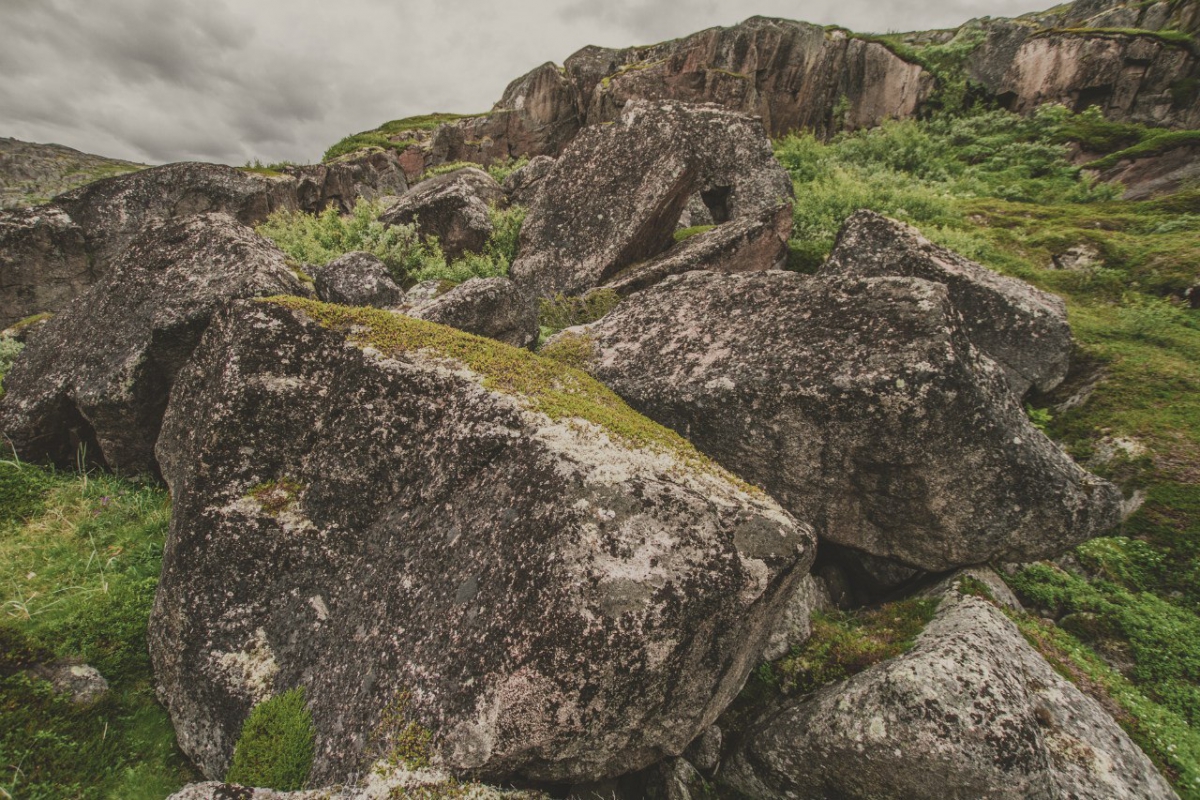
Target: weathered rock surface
x=522 y=185
x=860 y=404
x=43 y=262
x=655 y=158
x=752 y=244
x=383 y=782
x=972 y=710
x=453 y=207
x=491 y=307
x=357 y=279
x=549 y=599
x=1134 y=78
x=1020 y=327
x=99 y=372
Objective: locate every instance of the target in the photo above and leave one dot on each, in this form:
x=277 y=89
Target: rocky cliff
x=1138 y=62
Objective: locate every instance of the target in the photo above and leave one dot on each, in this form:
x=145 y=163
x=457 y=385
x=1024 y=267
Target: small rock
x=357 y=279
x=523 y=184
x=491 y=307
x=1080 y=258
x=453 y=207
x=82 y=681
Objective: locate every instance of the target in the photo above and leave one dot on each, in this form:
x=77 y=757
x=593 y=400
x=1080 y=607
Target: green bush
x=275 y=748
x=561 y=311
x=319 y=239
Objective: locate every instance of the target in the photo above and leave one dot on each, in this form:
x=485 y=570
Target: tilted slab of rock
x=860 y=404
x=390 y=512
x=491 y=307
x=1020 y=327
x=614 y=196
x=752 y=244
x=972 y=711
x=357 y=279
x=98 y=373
x=43 y=262
x=453 y=207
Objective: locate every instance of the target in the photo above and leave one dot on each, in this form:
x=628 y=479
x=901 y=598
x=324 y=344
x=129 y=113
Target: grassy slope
x=999 y=189
x=79 y=560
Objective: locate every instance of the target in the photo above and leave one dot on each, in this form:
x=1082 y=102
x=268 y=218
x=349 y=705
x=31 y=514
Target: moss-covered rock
x=557 y=588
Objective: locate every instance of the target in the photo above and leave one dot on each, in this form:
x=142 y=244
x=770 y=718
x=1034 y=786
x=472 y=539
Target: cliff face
x=1132 y=76
x=1137 y=62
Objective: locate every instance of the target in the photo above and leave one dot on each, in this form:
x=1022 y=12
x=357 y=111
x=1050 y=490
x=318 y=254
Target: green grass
x=1169 y=37
x=1152 y=144
x=79 y=561
x=686 y=233
x=275 y=747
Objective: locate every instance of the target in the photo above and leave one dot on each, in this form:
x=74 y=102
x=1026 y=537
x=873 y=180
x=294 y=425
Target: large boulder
x=616 y=193
x=99 y=372
x=751 y=244
x=523 y=183
x=971 y=711
x=453 y=207
x=113 y=212
x=491 y=307
x=357 y=279
x=43 y=262
x=427 y=528
x=860 y=404
x=1020 y=327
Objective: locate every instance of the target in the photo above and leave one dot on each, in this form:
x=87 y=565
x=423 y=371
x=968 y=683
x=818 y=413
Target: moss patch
x=276 y=496
x=542 y=385
x=275 y=748
x=845 y=644
x=572 y=349
x=687 y=233
x=400 y=740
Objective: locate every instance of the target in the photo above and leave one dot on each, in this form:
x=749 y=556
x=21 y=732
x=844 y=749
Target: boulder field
x=492 y=572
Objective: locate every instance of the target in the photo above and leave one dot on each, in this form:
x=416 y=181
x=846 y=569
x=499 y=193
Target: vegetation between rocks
x=319 y=239
x=382 y=136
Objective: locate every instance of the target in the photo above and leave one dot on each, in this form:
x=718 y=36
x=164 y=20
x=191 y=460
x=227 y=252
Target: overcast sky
x=234 y=80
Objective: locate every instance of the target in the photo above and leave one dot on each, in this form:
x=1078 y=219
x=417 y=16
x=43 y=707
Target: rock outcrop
x=972 y=710
x=99 y=372
x=655 y=158
x=491 y=307
x=44 y=262
x=860 y=404
x=33 y=173
x=50 y=254
x=357 y=279
x=1020 y=327
x=453 y=207
x=424 y=527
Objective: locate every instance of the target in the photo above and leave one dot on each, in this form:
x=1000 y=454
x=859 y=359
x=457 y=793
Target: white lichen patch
x=250 y=672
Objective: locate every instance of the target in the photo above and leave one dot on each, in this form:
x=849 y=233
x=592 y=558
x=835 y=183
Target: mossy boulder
x=972 y=710
x=560 y=589
x=491 y=307
x=861 y=405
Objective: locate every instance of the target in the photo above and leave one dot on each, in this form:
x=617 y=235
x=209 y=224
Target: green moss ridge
x=636 y=66
x=31 y=320
x=542 y=384
x=1168 y=37
x=687 y=233
x=1154 y=144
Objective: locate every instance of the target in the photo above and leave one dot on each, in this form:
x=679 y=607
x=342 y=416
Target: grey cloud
x=161 y=80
